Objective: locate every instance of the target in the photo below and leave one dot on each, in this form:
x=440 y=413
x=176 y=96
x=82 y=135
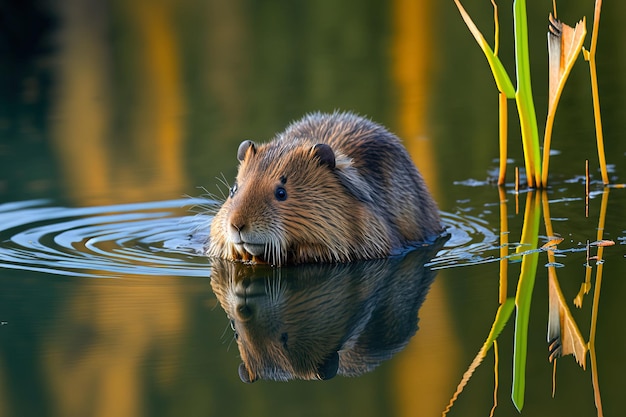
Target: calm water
x=120 y=121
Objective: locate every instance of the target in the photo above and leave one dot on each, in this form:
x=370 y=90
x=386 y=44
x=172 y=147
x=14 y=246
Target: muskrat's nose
x=237 y=220
x=238 y=226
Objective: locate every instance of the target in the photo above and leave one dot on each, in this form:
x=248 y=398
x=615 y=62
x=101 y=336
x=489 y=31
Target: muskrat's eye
x=280 y=193
x=232 y=190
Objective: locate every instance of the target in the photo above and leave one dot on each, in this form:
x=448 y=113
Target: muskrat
x=330 y=188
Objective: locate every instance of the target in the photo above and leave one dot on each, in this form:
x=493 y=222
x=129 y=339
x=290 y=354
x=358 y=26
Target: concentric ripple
x=157 y=238
x=471 y=242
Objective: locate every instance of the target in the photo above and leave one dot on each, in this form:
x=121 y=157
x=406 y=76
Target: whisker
x=230 y=343
x=222 y=180
x=225 y=330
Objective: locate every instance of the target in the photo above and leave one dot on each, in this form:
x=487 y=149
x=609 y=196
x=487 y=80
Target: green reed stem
x=524 y=97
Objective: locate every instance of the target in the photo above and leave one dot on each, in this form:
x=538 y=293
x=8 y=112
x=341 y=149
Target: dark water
x=118 y=119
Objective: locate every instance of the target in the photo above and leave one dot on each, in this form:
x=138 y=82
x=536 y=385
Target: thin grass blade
x=502 y=318
x=497 y=69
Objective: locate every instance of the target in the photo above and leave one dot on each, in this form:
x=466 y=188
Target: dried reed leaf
x=552 y=243
x=564 y=45
x=603 y=243
x=564 y=336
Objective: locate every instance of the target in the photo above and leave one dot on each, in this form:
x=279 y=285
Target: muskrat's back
x=330 y=188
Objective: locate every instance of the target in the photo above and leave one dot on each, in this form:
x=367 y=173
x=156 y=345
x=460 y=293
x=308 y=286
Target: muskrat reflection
x=318 y=320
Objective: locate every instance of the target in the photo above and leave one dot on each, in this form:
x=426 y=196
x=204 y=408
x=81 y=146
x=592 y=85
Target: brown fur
x=351 y=192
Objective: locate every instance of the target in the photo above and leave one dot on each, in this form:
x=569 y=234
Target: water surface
x=119 y=124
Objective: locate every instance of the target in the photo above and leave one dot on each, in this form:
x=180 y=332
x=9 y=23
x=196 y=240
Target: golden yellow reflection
x=434 y=350
x=110 y=330
x=413 y=58
x=84 y=103
x=148 y=164
x=107 y=334
x=156 y=119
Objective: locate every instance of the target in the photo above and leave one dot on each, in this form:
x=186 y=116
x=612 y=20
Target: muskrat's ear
x=244 y=375
x=243 y=149
x=328 y=369
x=325 y=154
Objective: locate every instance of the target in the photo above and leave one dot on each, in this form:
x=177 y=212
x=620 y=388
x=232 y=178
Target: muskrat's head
x=293 y=201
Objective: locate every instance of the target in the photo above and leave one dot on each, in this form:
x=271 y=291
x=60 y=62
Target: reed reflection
x=316 y=321
x=563 y=332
